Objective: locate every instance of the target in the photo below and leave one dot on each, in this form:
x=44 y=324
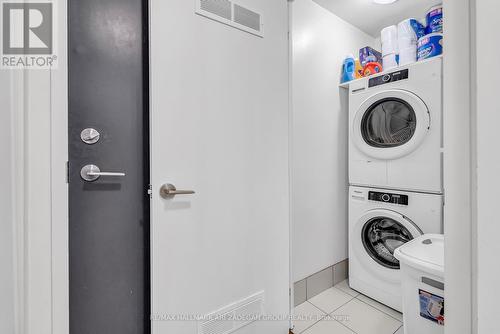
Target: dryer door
x=380 y=232
x=390 y=124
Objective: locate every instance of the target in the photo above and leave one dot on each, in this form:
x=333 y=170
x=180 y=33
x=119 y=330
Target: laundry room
x=249 y=167
x=367 y=81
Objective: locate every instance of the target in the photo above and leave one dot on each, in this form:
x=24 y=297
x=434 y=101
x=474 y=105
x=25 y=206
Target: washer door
x=390 y=124
x=377 y=235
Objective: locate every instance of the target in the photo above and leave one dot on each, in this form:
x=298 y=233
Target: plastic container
x=430 y=46
x=358 y=71
x=348 y=69
x=390 y=61
x=434 y=19
x=389 y=40
x=422 y=283
x=372 y=68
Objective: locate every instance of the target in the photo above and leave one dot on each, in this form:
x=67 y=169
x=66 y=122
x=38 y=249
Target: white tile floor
x=341 y=310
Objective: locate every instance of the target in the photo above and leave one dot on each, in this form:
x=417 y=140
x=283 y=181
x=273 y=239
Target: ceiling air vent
x=221 y=8
x=231 y=14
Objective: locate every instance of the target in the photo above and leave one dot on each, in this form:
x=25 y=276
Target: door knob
x=168 y=191
x=91 y=173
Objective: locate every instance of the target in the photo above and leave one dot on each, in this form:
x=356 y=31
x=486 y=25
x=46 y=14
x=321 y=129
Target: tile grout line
x=347 y=292
x=336 y=308
x=398 y=329
x=378 y=309
x=322 y=318
x=326 y=314
x=344 y=304
x=342 y=324
x=345 y=326
x=307 y=294
x=368 y=305
x=329 y=314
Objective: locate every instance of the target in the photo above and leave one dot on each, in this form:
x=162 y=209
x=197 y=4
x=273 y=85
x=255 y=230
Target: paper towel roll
x=408 y=55
x=406 y=42
x=389 y=61
x=411 y=28
x=389 y=39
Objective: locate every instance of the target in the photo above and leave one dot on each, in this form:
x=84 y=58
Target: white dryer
x=395 y=137
x=379 y=222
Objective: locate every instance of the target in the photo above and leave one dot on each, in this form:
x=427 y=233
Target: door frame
x=32 y=314
x=40 y=192
x=460 y=156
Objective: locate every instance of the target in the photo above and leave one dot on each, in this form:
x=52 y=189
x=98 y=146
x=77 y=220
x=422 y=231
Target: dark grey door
x=109 y=220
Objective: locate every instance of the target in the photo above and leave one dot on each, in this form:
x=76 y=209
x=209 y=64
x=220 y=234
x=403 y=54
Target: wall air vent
x=234 y=316
x=231 y=14
x=221 y=8
x=246 y=17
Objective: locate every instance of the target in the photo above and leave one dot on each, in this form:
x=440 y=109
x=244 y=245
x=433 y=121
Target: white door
x=390 y=124
x=219 y=127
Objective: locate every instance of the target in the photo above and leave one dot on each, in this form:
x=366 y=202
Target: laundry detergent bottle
x=348 y=69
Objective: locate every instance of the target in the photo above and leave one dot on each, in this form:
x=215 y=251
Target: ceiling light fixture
x=384 y=2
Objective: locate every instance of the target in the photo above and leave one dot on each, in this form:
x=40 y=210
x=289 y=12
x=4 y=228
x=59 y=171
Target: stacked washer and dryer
x=395 y=172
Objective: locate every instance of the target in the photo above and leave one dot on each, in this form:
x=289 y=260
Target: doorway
x=108 y=167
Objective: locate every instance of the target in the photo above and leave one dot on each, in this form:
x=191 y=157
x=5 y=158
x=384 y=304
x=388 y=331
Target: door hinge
x=150 y=190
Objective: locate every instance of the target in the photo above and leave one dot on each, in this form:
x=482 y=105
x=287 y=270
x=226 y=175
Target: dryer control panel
x=388 y=198
x=387 y=78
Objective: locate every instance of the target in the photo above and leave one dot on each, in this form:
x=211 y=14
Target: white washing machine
x=379 y=222
x=395 y=137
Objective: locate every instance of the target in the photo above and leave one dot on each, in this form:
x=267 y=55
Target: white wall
x=488 y=166
x=33 y=198
x=7 y=287
x=319 y=137
x=457 y=166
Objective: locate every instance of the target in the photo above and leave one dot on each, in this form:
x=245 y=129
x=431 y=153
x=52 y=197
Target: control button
x=386 y=198
x=386 y=78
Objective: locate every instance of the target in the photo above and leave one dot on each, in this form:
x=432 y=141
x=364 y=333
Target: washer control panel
x=388 y=198
x=387 y=78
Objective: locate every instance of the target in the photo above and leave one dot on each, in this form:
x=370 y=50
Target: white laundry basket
x=422 y=282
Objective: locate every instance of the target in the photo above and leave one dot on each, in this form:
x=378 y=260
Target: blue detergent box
x=369 y=55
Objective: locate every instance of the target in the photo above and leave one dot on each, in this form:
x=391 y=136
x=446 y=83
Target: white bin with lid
x=422 y=283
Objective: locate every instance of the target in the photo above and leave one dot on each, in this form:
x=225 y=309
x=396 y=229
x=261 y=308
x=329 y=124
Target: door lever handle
x=91 y=173
x=168 y=191
x=105 y=174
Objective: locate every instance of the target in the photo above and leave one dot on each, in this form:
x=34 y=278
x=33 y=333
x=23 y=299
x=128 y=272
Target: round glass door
x=381 y=236
x=389 y=122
